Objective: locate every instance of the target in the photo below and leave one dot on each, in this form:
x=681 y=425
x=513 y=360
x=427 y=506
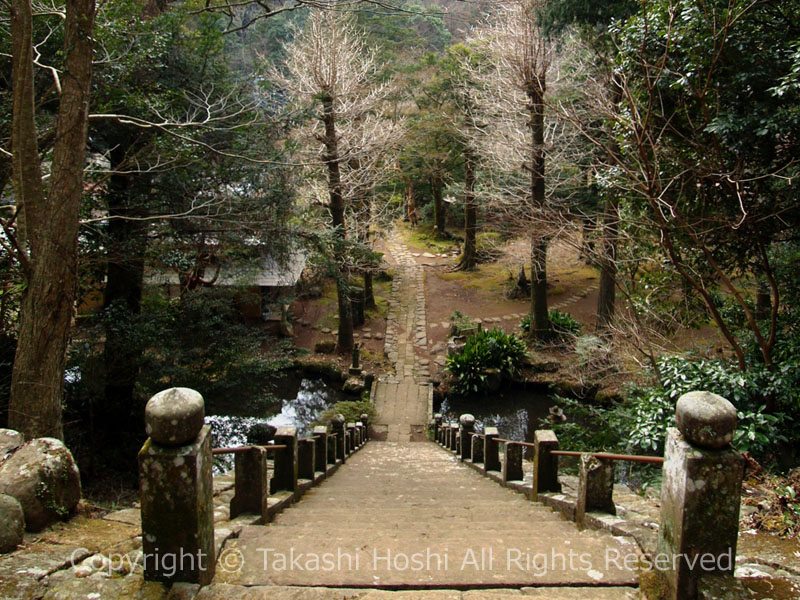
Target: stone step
x=221 y=591
x=369 y=515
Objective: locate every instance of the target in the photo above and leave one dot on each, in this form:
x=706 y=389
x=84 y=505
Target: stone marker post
x=285 y=461
x=351 y=438
x=321 y=449
x=700 y=494
x=251 y=484
x=453 y=436
x=512 y=463
x=491 y=449
x=595 y=487
x=466 y=429
x=437 y=425
x=545 y=465
x=332 y=446
x=176 y=487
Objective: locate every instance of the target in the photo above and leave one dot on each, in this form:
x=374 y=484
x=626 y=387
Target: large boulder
x=43 y=477
x=10 y=440
x=12 y=523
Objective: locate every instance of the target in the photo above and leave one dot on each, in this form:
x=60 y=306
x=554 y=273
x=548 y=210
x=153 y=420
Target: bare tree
x=511 y=135
x=331 y=70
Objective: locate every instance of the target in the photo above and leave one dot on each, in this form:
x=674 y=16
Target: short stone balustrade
x=701 y=484
x=176 y=484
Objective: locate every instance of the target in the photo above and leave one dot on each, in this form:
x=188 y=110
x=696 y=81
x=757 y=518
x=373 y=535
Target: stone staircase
x=405 y=516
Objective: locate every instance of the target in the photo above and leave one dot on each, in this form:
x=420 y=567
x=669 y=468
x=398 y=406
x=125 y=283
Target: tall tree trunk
x=411 y=207
x=469 y=258
x=540 y=323
x=345 y=341
x=606 y=299
x=439 y=206
x=37 y=382
x=763 y=298
x=124 y=282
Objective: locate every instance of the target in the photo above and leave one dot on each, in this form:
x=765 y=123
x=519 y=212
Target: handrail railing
x=641 y=458
x=702 y=475
x=241 y=449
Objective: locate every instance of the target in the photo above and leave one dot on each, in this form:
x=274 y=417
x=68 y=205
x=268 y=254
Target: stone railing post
x=337 y=424
x=359 y=434
x=595 y=487
x=545 y=465
x=365 y=423
x=177 y=520
x=333 y=446
x=446 y=434
x=285 y=461
x=512 y=463
x=700 y=494
x=491 y=449
x=306 y=458
x=351 y=438
x=320 y=449
x=466 y=429
x=437 y=426
x=251 y=488
x=477 y=450
x=453 y=447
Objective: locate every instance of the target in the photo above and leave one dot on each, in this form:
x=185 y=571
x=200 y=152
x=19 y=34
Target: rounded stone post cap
x=174 y=417
x=337 y=419
x=467 y=420
x=364 y=416
x=706 y=420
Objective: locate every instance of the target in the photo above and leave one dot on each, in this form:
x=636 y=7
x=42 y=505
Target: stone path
x=404 y=515
x=403 y=401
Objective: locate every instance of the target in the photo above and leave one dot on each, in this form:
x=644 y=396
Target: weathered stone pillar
x=176 y=488
x=337 y=425
x=477 y=450
x=491 y=449
x=446 y=431
x=700 y=494
x=512 y=463
x=437 y=426
x=466 y=429
x=352 y=443
x=595 y=487
x=545 y=465
x=321 y=448
x=285 y=461
x=305 y=458
x=251 y=484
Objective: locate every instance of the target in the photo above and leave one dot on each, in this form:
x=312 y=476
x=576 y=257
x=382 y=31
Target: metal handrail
x=607 y=456
x=526 y=444
x=242 y=449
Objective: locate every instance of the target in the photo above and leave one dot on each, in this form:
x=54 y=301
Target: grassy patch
x=488 y=277
x=424 y=237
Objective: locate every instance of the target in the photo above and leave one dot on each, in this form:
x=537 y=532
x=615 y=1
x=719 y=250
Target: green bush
x=488 y=349
x=350 y=409
x=757 y=432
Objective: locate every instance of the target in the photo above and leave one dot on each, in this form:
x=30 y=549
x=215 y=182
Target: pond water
x=296 y=401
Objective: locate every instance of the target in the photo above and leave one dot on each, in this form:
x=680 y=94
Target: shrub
x=488 y=349
x=350 y=409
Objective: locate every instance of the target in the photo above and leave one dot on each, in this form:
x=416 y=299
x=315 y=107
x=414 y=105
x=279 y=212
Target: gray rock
x=174 y=417
x=10 y=440
x=44 y=479
x=12 y=523
x=705 y=419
